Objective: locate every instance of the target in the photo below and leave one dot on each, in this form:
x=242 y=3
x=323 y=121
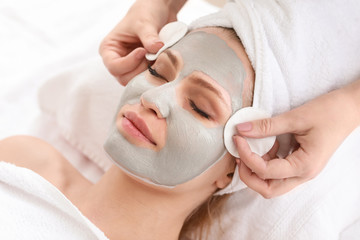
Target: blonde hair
x=198 y=223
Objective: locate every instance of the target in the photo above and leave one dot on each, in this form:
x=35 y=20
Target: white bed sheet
x=41 y=38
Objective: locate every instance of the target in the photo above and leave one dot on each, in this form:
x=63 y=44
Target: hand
x=124 y=48
x=318 y=127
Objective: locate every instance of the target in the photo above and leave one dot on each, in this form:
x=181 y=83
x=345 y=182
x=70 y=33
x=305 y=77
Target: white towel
x=32 y=208
x=298 y=49
x=322 y=208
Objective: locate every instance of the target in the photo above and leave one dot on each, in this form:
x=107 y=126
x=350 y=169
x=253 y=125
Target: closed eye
x=154 y=73
x=198 y=110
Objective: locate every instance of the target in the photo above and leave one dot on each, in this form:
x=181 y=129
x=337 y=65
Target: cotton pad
x=259 y=146
x=169 y=35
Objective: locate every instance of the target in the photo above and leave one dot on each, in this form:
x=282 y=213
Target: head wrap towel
x=298 y=49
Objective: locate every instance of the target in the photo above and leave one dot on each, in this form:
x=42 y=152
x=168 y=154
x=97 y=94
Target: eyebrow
x=201 y=82
x=172 y=58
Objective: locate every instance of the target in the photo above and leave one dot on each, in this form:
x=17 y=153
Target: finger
x=149 y=37
x=272 y=152
x=274 y=169
x=283 y=123
x=267 y=188
x=125 y=78
x=120 y=65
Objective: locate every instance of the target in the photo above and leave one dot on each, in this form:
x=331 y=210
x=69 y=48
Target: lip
x=137 y=127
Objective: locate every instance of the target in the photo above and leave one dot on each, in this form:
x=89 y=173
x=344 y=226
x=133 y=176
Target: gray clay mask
x=191 y=147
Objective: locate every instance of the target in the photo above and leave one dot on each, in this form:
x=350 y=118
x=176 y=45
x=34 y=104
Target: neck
x=124 y=208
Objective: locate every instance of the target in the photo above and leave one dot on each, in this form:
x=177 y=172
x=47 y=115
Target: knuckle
x=298 y=121
x=101 y=48
x=140 y=23
x=267 y=194
x=113 y=71
x=307 y=169
x=268 y=191
x=145 y=28
x=300 y=166
x=261 y=174
x=304 y=170
x=265 y=126
x=310 y=173
x=261 y=170
x=123 y=80
x=104 y=45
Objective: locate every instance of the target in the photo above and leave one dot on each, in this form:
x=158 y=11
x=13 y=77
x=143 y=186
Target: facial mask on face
x=190 y=148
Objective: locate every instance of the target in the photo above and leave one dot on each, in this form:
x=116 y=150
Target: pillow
x=83 y=101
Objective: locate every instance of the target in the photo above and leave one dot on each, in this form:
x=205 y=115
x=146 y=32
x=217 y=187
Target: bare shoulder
x=29 y=152
x=39 y=156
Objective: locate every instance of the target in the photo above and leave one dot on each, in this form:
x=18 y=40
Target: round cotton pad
x=259 y=146
x=169 y=34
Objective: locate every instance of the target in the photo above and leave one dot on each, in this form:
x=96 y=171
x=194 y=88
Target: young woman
x=164 y=177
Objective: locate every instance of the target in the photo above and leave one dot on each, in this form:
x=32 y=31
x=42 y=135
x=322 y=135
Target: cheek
x=189 y=133
x=135 y=88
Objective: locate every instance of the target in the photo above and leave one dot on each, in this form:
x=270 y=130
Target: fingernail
x=157 y=43
x=238 y=161
x=244 y=127
x=140 y=54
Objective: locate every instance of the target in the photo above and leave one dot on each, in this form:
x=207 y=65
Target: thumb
x=281 y=124
x=149 y=37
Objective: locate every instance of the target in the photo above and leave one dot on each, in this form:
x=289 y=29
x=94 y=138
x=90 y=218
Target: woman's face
x=169 y=127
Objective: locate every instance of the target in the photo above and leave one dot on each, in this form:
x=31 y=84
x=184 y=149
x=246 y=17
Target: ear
x=224 y=180
x=225 y=177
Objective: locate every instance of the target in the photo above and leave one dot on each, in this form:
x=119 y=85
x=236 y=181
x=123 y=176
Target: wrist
x=352 y=92
x=174 y=5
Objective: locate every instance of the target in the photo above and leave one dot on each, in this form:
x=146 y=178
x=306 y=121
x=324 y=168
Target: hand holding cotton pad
x=169 y=34
x=259 y=146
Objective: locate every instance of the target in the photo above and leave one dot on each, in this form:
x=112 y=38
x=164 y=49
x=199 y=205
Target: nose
x=159 y=99
x=151 y=106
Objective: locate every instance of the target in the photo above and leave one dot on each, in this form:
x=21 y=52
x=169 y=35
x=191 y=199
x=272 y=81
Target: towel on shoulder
x=32 y=208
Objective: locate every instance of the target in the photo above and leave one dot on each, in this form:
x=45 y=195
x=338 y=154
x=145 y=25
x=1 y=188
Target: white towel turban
x=298 y=49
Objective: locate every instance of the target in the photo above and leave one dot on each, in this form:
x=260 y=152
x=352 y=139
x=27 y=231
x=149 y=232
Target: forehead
x=210 y=54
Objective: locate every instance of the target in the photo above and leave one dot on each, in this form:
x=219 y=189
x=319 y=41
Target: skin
x=308 y=129
x=118 y=199
x=179 y=78
x=123 y=49
x=143 y=211
x=159 y=130
x=318 y=136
